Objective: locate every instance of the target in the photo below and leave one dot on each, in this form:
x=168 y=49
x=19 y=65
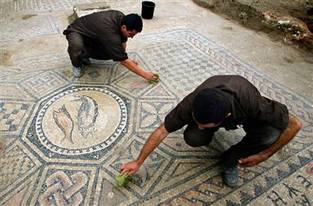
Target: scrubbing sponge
x=122 y=179
x=155 y=81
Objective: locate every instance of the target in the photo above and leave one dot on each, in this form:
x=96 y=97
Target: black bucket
x=147 y=9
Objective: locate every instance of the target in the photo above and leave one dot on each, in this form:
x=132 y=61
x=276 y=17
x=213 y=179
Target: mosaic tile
x=19 y=166
x=64 y=186
x=21 y=193
x=43 y=83
x=78 y=122
x=13 y=91
x=13 y=116
x=72 y=151
x=32 y=27
x=151 y=113
x=39 y=5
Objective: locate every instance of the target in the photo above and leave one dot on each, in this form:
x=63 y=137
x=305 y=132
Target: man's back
x=248 y=106
x=97 y=25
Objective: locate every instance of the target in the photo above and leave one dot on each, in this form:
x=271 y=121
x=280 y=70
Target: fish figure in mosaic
x=64 y=121
x=87 y=116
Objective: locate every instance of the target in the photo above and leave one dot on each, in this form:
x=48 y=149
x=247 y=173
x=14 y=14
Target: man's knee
x=74 y=54
x=75 y=57
x=197 y=138
x=75 y=41
x=190 y=141
x=272 y=136
x=188 y=138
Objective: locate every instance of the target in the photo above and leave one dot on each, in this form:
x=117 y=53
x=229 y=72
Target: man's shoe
x=86 y=61
x=77 y=71
x=230 y=176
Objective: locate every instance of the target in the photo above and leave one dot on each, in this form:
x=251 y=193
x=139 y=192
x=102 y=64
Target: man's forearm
x=294 y=125
x=153 y=141
x=132 y=66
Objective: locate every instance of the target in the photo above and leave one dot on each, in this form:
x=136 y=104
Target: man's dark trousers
x=257 y=139
x=80 y=47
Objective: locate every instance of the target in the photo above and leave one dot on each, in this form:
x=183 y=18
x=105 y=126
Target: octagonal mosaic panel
x=78 y=121
x=73 y=134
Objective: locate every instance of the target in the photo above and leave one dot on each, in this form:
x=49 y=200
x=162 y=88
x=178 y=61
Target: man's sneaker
x=86 y=61
x=230 y=176
x=77 y=71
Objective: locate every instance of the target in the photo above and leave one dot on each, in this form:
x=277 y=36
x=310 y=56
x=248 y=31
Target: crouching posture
x=230 y=102
x=103 y=35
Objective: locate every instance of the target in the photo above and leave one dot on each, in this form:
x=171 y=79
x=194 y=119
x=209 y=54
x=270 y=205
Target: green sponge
x=122 y=180
x=155 y=81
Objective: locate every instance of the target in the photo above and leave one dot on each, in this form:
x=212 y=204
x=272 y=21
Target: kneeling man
x=231 y=102
x=103 y=35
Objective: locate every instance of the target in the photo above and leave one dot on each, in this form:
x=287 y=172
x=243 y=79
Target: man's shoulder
x=106 y=14
x=227 y=78
x=110 y=13
x=224 y=82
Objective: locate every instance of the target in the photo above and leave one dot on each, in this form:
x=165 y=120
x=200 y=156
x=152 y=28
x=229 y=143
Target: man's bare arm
x=294 y=125
x=153 y=141
x=134 y=67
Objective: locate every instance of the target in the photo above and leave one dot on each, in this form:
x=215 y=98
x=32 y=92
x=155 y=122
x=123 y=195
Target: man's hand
x=151 y=76
x=153 y=141
x=134 y=67
x=252 y=160
x=130 y=167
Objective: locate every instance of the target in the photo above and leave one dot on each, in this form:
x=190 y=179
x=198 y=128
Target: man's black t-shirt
x=249 y=108
x=103 y=27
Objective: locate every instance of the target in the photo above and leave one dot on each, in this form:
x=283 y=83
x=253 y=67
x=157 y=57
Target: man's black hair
x=211 y=106
x=132 y=22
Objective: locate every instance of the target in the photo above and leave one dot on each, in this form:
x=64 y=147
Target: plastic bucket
x=147 y=9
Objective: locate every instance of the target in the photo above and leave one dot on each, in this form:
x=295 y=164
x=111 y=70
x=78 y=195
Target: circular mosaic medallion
x=81 y=120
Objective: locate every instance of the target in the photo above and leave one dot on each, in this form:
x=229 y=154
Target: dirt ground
x=267 y=16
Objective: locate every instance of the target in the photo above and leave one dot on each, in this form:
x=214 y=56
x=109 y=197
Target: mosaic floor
x=66 y=137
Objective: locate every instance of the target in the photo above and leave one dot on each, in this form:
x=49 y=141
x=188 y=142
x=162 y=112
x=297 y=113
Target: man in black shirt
x=231 y=102
x=103 y=35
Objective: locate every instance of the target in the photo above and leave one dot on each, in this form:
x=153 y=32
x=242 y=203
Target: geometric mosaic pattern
x=11 y=6
x=16 y=163
x=18 y=169
x=11 y=114
x=31 y=27
x=43 y=83
x=46 y=173
x=37 y=5
x=64 y=188
x=14 y=116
